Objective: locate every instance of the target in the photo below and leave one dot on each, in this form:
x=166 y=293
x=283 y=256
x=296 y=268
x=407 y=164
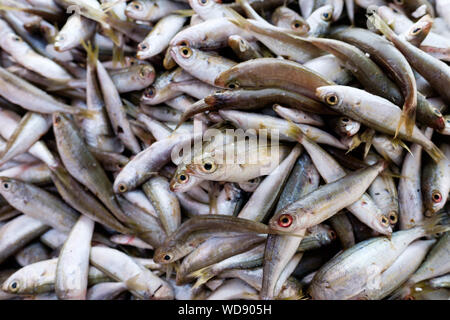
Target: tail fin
x=431 y=225
x=408 y=118
x=92 y=53
x=184 y=13
x=86 y=113
x=202 y=275
x=367 y=137
x=379 y=24
x=130 y=108
x=295 y=132
x=434 y=152
x=397 y=142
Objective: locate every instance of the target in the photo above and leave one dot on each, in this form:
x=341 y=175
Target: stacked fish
x=250 y=149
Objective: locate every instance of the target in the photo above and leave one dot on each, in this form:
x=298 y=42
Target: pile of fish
x=207 y=149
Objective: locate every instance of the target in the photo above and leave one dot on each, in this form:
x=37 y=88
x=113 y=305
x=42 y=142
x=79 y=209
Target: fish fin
x=202 y=275
x=184 y=12
x=110 y=33
x=92 y=53
x=118 y=55
x=379 y=24
x=87 y=113
x=356 y=141
x=434 y=152
x=169 y=62
x=107 y=6
x=297 y=296
x=431 y=225
x=134 y=284
x=237 y=19
x=130 y=108
x=400 y=293
x=398 y=142
x=367 y=137
x=169 y=269
x=295 y=132
x=59 y=86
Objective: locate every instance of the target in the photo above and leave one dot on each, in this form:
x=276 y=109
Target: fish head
x=12 y=41
x=181 y=180
x=149 y=94
x=204 y=6
x=331 y=96
x=14 y=284
x=167 y=254
x=146 y=74
x=137 y=10
x=8 y=186
x=286 y=221
x=185 y=56
x=64 y=41
x=204 y=167
x=348 y=126
x=434 y=200
x=164 y=292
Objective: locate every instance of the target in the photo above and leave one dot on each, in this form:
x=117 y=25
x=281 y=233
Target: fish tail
x=130 y=108
x=87 y=113
x=295 y=132
x=431 y=225
x=59 y=86
x=434 y=152
x=367 y=137
x=356 y=141
x=106 y=6
x=110 y=33
x=237 y=19
x=184 y=12
x=169 y=269
x=410 y=120
x=118 y=55
x=92 y=53
x=379 y=23
x=202 y=275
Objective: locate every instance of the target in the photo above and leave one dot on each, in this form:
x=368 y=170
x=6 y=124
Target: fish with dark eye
x=375 y=112
x=436 y=182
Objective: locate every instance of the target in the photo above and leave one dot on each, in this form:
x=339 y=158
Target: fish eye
x=285 y=220
x=399 y=2
x=123 y=187
x=6 y=185
x=296 y=24
x=208 y=166
x=182 y=178
x=167 y=257
x=436 y=196
x=416 y=31
x=331 y=99
x=57 y=119
x=203 y=2
x=384 y=221
x=233 y=85
x=137 y=5
x=150 y=92
x=142 y=46
x=437 y=112
x=144 y=72
x=393 y=218
x=326 y=16
x=186 y=52
x=332 y=234
x=14 y=286
x=345 y=120
x=17 y=38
